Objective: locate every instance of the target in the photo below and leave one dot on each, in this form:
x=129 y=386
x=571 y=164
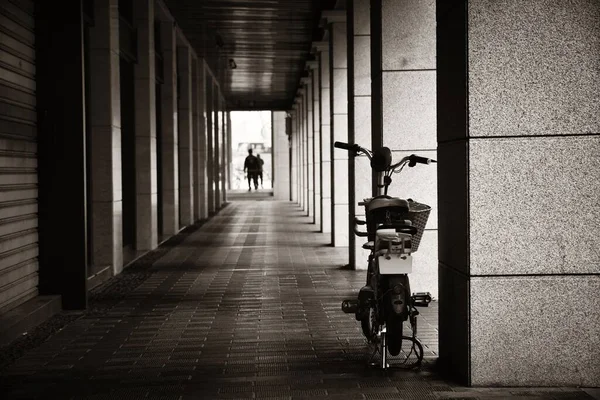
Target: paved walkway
x=247 y=306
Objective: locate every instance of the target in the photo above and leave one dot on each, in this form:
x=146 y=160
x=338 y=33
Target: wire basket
x=418 y=214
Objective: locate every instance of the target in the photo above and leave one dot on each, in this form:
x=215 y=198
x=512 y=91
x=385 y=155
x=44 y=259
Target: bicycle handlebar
x=353 y=147
x=412 y=160
x=344 y=146
x=421 y=160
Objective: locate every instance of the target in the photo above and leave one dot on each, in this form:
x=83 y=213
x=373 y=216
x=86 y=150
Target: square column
x=62 y=151
x=229 y=150
x=302 y=143
x=299 y=150
x=316 y=144
x=281 y=157
x=210 y=139
x=169 y=132
x=404 y=112
x=309 y=146
x=359 y=120
x=294 y=144
x=217 y=144
x=199 y=97
x=105 y=140
x=519 y=177
x=186 y=178
x=224 y=151
x=145 y=128
x=321 y=50
x=338 y=67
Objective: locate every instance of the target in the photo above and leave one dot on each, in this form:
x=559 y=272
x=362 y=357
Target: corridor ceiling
x=268 y=40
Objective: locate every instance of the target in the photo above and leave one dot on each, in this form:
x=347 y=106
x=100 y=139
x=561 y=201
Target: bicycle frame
x=385 y=302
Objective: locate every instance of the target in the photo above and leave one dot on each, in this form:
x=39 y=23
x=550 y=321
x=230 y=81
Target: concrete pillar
x=338 y=66
x=299 y=151
x=210 y=139
x=299 y=146
x=310 y=146
x=281 y=157
x=199 y=99
x=404 y=112
x=302 y=143
x=321 y=50
x=224 y=151
x=169 y=132
x=145 y=128
x=316 y=143
x=294 y=143
x=229 y=150
x=217 y=144
x=359 y=120
x=519 y=177
x=186 y=127
x=105 y=135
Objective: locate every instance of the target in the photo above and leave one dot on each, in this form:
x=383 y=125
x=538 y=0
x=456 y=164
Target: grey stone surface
x=146 y=217
x=106 y=161
x=281 y=179
x=325 y=80
x=362 y=17
x=424 y=277
x=340 y=133
x=534 y=205
x=340 y=91
x=362 y=171
x=327 y=225
x=146 y=164
x=418 y=183
x=362 y=121
x=340 y=45
x=408 y=34
x=107 y=223
x=326 y=174
x=325 y=107
x=453 y=211
x=535 y=331
x=326 y=143
x=342 y=229
x=362 y=65
x=341 y=180
x=533 y=67
x=409 y=110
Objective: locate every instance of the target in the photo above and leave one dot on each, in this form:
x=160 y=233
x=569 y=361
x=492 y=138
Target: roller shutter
x=18 y=155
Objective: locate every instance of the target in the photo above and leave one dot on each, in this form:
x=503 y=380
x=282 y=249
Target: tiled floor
x=246 y=307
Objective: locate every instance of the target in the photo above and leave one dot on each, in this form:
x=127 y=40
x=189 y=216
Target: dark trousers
x=253 y=176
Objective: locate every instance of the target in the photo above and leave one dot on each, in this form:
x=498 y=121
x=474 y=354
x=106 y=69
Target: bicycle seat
x=393 y=203
x=368 y=245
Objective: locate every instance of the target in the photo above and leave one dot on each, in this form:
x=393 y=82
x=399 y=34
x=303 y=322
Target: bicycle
x=394 y=230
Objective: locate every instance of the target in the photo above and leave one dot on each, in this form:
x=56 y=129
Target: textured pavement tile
x=246 y=306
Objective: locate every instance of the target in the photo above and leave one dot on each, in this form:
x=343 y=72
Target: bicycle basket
x=418 y=214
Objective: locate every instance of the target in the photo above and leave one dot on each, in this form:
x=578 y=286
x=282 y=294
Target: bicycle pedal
x=421 y=299
x=350 y=306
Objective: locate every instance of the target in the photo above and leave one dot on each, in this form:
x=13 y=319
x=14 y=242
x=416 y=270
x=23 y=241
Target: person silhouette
x=261 y=162
x=251 y=164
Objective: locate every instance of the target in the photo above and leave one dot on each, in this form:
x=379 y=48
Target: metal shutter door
x=18 y=155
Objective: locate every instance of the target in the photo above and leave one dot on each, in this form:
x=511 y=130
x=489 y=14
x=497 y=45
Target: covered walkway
x=245 y=306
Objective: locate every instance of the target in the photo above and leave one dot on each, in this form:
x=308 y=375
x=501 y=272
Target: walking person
x=261 y=162
x=251 y=164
